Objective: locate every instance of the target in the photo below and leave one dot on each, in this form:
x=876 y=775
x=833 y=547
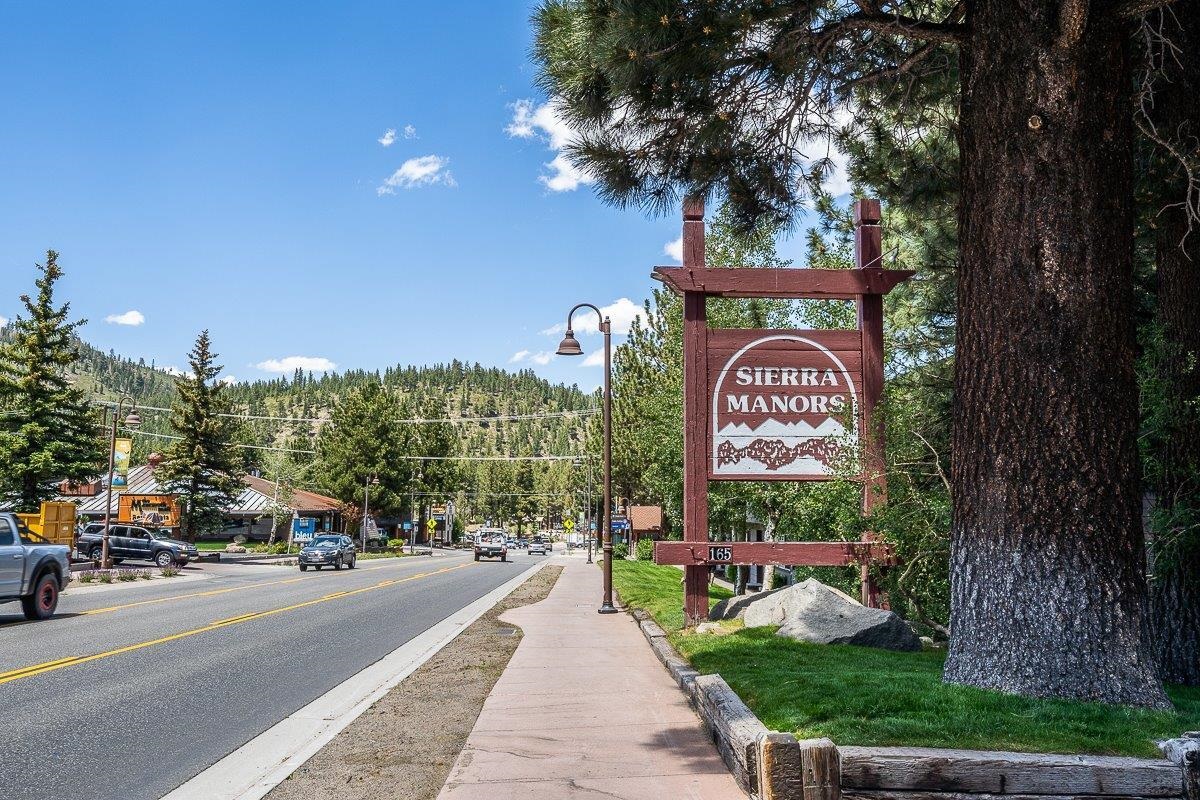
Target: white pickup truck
x=32 y=569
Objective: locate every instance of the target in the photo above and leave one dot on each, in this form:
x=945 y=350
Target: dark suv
x=328 y=550
x=134 y=542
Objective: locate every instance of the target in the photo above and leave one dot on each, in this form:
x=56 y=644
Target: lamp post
x=588 y=530
x=132 y=421
x=372 y=481
x=569 y=346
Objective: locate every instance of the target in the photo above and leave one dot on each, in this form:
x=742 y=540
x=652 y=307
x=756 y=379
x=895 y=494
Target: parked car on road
x=135 y=542
x=32 y=569
x=539 y=545
x=328 y=550
x=491 y=547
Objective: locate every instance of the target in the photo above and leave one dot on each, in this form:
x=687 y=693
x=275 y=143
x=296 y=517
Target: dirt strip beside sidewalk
x=405 y=744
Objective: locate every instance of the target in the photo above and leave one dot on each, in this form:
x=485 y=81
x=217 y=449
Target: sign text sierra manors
x=784 y=403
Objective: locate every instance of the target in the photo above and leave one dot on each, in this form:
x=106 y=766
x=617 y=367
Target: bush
x=645 y=550
x=620 y=550
x=278 y=548
x=169 y=572
x=731 y=573
x=127 y=575
x=87 y=576
x=105 y=576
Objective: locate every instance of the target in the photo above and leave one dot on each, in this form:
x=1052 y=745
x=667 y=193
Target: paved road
x=142 y=687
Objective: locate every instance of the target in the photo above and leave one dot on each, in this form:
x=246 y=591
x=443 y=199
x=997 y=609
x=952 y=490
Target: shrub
x=169 y=572
x=105 y=576
x=620 y=550
x=127 y=575
x=144 y=574
x=645 y=550
x=731 y=573
x=87 y=576
x=278 y=548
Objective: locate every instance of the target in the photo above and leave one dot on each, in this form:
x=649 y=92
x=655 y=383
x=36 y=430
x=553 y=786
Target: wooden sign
x=784 y=403
x=779 y=404
x=150 y=510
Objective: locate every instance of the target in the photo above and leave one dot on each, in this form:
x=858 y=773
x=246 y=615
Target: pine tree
x=202 y=468
x=47 y=430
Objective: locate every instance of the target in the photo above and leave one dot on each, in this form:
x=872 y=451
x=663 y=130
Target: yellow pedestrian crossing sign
x=568 y=523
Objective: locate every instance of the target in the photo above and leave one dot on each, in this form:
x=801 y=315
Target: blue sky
x=227 y=165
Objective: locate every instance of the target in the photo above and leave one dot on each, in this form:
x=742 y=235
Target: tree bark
x=1048 y=585
x=1175 y=553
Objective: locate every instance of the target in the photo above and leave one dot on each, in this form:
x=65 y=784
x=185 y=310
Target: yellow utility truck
x=55 y=522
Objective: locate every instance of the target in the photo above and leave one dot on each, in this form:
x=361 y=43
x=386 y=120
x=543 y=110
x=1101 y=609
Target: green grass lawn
x=863 y=696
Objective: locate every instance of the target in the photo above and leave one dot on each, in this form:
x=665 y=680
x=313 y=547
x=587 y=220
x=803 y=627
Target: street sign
x=408 y=526
x=569 y=523
x=813 y=554
x=431 y=524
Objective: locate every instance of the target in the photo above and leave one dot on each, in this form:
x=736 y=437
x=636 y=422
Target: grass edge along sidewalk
x=867 y=697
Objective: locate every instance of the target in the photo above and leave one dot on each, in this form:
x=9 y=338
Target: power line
x=393 y=458
x=583 y=412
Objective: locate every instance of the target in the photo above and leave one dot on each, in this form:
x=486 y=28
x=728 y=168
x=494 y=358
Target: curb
x=257 y=767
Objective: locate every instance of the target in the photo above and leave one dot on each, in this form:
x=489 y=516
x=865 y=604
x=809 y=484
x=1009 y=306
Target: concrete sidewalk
x=584 y=710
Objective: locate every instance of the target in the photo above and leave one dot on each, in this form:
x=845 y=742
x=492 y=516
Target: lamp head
x=133 y=420
x=569 y=346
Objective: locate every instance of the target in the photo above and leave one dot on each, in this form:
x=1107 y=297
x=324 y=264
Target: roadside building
x=645 y=522
x=249 y=515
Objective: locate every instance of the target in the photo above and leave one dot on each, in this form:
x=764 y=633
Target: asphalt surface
x=138 y=722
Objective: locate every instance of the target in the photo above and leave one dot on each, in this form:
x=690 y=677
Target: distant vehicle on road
x=491 y=544
x=540 y=546
x=32 y=569
x=135 y=542
x=329 y=549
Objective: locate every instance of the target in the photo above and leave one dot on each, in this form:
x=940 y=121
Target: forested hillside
x=486 y=395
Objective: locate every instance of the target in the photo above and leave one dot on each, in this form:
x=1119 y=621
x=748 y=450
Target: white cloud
x=172 y=370
x=519 y=356
x=544 y=122
x=3 y=321
x=131 y=317
x=293 y=363
x=594 y=358
x=542 y=358
x=421 y=171
x=228 y=379
x=622 y=313
x=388 y=138
x=410 y=132
x=675 y=249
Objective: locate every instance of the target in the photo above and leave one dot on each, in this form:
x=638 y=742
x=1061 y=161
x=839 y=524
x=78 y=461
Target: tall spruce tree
x=734 y=98
x=47 y=430
x=203 y=468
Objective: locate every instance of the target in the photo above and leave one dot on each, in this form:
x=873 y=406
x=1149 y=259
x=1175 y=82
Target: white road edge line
x=261 y=764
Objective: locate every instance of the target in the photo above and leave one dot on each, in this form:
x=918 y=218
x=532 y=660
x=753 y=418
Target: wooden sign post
x=779 y=405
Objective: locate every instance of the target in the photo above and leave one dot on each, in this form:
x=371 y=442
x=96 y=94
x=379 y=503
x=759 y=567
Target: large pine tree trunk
x=1048 y=583
x=1176 y=574
x=1175 y=588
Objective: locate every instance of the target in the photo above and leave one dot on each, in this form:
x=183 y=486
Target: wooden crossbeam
x=831 y=284
x=810 y=554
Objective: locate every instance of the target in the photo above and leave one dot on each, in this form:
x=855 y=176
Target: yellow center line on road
x=210 y=593
x=51 y=666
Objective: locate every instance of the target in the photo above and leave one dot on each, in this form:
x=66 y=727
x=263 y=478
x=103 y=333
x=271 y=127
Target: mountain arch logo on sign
x=785 y=404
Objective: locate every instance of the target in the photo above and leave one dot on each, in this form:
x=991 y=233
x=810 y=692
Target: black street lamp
x=367 y=484
x=570 y=347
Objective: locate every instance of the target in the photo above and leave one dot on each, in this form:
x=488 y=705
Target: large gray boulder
x=734 y=607
x=813 y=612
